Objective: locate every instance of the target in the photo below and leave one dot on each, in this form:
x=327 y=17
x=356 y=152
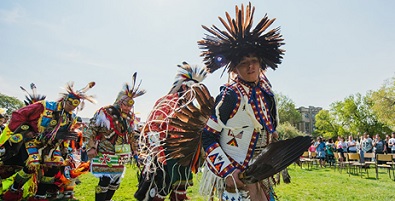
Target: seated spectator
x=330 y=155
x=351 y=145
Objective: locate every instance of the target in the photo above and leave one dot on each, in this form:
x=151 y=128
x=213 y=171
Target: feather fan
x=276 y=157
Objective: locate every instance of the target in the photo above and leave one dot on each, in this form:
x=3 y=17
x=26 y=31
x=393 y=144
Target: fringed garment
x=245 y=116
x=163 y=172
x=109 y=133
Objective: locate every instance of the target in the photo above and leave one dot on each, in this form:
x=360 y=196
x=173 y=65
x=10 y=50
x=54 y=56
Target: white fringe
x=211 y=185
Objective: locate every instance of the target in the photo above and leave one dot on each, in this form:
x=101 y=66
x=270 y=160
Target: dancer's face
x=69 y=105
x=249 y=69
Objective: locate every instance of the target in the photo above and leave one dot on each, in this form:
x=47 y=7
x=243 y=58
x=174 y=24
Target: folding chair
x=369 y=160
x=385 y=161
x=354 y=161
x=340 y=164
x=314 y=159
x=305 y=158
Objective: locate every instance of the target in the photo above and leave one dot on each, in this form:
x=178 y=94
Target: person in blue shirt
x=320 y=149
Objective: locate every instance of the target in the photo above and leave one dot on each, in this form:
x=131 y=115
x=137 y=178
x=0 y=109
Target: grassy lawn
x=312 y=184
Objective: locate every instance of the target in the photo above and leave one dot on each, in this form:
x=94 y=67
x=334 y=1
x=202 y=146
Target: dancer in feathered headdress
x=245 y=114
x=239 y=39
x=37 y=130
x=174 y=120
x=77 y=98
x=109 y=145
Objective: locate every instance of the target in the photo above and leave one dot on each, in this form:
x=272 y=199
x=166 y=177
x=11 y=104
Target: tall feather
x=134 y=80
x=87 y=87
x=131 y=91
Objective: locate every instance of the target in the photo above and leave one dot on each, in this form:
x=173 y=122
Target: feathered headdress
x=228 y=47
x=188 y=75
x=32 y=97
x=78 y=97
x=129 y=92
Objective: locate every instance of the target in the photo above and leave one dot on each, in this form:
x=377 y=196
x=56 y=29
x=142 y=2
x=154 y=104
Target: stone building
x=308 y=119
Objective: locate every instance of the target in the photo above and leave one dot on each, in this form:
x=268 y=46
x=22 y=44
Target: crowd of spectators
x=326 y=149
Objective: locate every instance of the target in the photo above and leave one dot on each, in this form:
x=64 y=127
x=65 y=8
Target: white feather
x=101 y=120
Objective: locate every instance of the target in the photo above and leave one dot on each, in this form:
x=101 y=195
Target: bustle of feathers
x=276 y=157
x=188 y=73
x=227 y=47
x=132 y=91
x=191 y=117
x=79 y=94
x=32 y=97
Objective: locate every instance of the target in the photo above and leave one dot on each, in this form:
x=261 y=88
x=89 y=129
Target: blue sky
x=333 y=48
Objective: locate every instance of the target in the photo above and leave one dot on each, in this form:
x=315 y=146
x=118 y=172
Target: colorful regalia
x=109 y=145
x=245 y=115
x=33 y=140
x=169 y=149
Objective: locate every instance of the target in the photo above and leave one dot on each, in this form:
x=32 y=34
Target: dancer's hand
x=234 y=178
x=92 y=152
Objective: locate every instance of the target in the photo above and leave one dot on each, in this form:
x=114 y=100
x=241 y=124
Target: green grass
x=313 y=184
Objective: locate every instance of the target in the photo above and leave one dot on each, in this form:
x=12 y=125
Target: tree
x=356 y=115
x=287 y=111
x=325 y=124
x=383 y=103
x=287 y=131
x=10 y=103
x=351 y=116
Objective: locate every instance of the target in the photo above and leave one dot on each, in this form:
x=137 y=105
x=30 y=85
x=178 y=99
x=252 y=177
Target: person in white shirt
x=351 y=145
x=391 y=143
x=341 y=147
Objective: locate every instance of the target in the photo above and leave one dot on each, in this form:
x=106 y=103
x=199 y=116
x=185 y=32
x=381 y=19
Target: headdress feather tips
x=32 y=97
x=132 y=91
x=187 y=73
x=227 y=47
x=79 y=94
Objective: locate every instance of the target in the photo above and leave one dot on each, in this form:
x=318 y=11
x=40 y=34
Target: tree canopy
x=352 y=116
x=287 y=111
x=383 y=103
x=10 y=103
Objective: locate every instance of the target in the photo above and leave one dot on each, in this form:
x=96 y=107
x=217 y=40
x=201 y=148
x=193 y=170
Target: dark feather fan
x=32 y=97
x=276 y=157
x=228 y=47
x=190 y=118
